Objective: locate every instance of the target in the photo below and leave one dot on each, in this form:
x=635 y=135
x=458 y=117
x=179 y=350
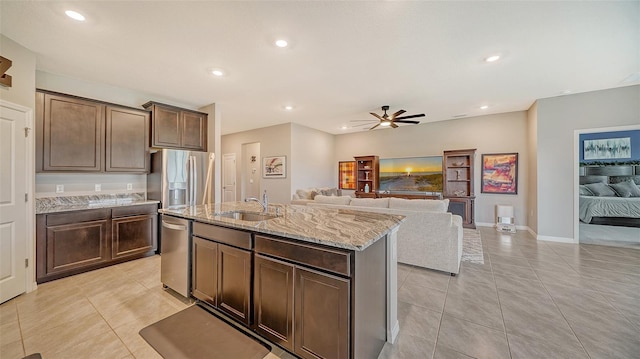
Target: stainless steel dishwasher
x=174 y=259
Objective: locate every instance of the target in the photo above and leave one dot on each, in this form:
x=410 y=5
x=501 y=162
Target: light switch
x=98 y=187
x=129 y=186
x=59 y=188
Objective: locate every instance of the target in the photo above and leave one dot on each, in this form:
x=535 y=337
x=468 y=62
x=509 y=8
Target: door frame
x=30 y=274
x=576 y=170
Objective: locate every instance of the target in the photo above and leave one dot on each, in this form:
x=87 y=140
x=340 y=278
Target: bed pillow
x=626 y=189
x=585 y=191
x=601 y=189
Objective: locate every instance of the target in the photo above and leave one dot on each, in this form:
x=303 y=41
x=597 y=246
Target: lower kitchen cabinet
x=204 y=261
x=273 y=300
x=78 y=241
x=221 y=269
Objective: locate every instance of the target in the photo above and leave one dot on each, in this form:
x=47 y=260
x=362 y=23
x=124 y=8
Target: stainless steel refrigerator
x=181 y=178
x=178 y=179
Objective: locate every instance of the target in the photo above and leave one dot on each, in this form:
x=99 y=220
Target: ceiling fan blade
x=374 y=127
x=398 y=113
x=411 y=116
x=403 y=121
x=393 y=125
x=377 y=116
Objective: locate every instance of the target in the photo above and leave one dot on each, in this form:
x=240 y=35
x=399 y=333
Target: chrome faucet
x=264 y=203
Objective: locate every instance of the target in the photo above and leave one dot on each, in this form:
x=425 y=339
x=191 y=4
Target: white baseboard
x=484 y=224
x=556 y=239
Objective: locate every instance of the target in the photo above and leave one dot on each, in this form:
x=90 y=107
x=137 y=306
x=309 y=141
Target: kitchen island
x=321 y=283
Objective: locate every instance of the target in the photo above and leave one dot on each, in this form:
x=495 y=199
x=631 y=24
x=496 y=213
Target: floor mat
x=196 y=333
x=472 y=246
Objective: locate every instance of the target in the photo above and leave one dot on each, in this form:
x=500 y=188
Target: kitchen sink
x=247 y=216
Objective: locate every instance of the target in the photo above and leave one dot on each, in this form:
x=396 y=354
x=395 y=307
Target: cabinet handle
x=177 y=227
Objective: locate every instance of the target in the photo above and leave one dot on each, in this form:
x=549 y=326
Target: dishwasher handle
x=177 y=227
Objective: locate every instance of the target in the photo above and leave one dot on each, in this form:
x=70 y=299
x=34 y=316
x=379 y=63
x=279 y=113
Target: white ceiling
x=345 y=59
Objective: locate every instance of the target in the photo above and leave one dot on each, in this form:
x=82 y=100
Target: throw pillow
x=313 y=194
x=585 y=191
x=303 y=194
x=370 y=202
x=601 y=189
x=626 y=189
x=329 y=191
x=430 y=205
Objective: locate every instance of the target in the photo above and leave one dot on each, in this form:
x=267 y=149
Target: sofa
x=430 y=237
x=307 y=195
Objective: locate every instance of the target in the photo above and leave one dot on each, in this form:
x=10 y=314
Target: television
x=410 y=175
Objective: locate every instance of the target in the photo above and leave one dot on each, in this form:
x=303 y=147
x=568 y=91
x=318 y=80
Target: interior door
x=229 y=177
x=13 y=189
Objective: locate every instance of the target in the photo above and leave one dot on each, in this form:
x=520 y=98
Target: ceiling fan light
x=385 y=124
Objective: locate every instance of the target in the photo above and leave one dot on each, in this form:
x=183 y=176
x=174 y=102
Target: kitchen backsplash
x=80 y=184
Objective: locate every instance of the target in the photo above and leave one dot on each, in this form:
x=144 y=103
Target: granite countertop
x=342 y=228
x=78 y=203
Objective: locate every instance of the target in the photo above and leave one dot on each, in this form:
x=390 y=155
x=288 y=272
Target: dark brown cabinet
x=127 y=140
x=134 y=233
x=303 y=309
x=273 y=300
x=221 y=269
x=367 y=176
x=75 y=242
x=458 y=180
x=204 y=262
x=177 y=128
x=75 y=134
x=72 y=133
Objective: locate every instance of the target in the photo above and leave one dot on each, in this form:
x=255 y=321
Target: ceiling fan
x=391 y=121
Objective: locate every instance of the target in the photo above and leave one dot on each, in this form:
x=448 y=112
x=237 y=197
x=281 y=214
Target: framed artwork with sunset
x=411 y=174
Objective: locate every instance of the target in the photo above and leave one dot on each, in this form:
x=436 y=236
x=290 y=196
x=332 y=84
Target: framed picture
x=274 y=167
x=500 y=173
x=607 y=148
x=347 y=174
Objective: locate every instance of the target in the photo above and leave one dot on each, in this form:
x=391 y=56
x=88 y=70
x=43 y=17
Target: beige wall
x=532 y=166
x=558 y=118
x=274 y=141
x=312 y=158
x=22 y=71
x=499 y=133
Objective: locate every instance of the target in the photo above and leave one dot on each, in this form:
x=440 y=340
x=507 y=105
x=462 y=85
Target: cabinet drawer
x=134 y=210
x=330 y=260
x=78 y=216
x=232 y=237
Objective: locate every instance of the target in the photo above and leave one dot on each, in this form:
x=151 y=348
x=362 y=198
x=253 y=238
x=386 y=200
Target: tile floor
x=530 y=299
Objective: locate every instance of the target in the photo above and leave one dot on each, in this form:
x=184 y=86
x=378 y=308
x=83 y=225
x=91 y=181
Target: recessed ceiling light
x=288 y=107
x=565 y=92
x=282 y=43
x=344 y=127
x=484 y=107
x=492 y=58
x=75 y=15
x=217 y=72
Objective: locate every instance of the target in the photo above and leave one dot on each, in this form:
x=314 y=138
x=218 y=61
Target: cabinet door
x=234 y=282
x=73 y=134
x=127 y=138
x=166 y=127
x=273 y=300
x=133 y=236
x=321 y=315
x=204 y=272
x=194 y=131
x=75 y=246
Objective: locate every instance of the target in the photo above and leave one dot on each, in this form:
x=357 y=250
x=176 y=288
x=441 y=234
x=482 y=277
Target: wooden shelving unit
x=458 y=178
x=367 y=173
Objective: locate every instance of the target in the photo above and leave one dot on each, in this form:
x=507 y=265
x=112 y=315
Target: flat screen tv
x=411 y=174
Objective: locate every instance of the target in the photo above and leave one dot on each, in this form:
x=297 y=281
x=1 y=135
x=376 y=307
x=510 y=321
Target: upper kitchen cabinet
x=177 y=128
x=71 y=134
x=75 y=134
x=127 y=148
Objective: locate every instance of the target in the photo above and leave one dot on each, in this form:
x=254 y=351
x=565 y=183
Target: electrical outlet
x=129 y=186
x=98 y=187
x=59 y=188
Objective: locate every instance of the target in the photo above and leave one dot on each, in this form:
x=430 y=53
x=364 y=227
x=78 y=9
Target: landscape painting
x=500 y=173
x=411 y=174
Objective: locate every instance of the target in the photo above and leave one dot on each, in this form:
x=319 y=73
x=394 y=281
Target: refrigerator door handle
x=194 y=170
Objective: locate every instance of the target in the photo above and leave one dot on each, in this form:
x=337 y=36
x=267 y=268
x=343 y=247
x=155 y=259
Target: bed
x=601 y=203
